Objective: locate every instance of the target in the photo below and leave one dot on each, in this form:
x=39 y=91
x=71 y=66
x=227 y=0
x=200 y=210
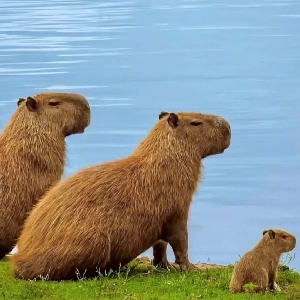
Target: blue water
x=132 y=59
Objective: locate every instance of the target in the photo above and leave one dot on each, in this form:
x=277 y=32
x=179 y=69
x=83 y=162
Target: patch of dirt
x=200 y=266
x=203 y=266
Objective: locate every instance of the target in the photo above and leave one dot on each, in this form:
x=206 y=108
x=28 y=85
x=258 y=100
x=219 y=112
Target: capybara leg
x=75 y=259
x=262 y=280
x=272 y=284
x=160 y=254
x=177 y=235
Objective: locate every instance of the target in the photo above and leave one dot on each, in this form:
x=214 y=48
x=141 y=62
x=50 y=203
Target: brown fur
x=259 y=266
x=104 y=216
x=32 y=155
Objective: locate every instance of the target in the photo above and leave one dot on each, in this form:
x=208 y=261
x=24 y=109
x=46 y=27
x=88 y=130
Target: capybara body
x=104 y=216
x=32 y=155
x=259 y=265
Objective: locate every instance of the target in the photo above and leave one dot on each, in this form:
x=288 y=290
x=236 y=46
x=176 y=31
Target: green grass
x=143 y=282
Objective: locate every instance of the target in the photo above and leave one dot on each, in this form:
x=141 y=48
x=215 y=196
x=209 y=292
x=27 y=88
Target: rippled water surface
x=132 y=59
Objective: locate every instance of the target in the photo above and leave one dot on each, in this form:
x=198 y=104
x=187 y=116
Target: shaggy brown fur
x=259 y=266
x=104 y=216
x=32 y=155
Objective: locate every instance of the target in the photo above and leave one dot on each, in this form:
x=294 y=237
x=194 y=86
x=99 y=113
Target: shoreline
x=201 y=266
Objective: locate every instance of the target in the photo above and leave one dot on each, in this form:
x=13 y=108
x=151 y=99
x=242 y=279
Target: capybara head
x=69 y=113
x=281 y=240
x=209 y=134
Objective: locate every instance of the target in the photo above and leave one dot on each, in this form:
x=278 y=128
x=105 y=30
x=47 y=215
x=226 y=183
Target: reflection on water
x=133 y=59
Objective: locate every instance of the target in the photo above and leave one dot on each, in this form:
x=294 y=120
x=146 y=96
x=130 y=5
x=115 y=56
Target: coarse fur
x=106 y=215
x=33 y=154
x=160 y=247
x=259 y=266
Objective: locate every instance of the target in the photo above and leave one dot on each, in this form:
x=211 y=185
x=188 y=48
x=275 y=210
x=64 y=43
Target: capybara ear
x=173 y=120
x=31 y=104
x=271 y=234
x=20 y=101
x=162 y=114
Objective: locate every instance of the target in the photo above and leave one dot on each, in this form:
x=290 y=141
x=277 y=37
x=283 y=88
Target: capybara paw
x=163 y=263
x=187 y=266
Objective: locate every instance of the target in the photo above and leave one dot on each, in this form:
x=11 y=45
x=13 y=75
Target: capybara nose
x=228 y=127
x=225 y=125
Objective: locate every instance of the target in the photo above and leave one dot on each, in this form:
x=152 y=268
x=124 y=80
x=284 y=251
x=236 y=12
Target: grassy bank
x=143 y=282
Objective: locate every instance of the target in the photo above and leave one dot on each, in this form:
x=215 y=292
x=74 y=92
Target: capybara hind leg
x=261 y=280
x=72 y=260
x=177 y=235
x=160 y=254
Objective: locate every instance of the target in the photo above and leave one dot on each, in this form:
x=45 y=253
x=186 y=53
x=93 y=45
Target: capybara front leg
x=160 y=255
x=177 y=236
x=272 y=285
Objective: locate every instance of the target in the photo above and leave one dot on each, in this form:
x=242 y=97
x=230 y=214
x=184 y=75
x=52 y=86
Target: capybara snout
x=81 y=120
x=225 y=126
x=222 y=127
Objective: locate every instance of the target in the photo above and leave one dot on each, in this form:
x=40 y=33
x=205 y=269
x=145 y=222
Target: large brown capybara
x=160 y=247
x=259 y=266
x=33 y=155
x=104 y=216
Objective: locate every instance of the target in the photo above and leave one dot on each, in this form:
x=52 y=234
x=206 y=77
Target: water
x=133 y=59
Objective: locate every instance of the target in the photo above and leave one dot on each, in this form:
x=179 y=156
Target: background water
x=132 y=59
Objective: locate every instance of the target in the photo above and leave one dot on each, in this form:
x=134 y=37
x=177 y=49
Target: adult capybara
x=33 y=154
x=259 y=265
x=104 y=216
x=160 y=247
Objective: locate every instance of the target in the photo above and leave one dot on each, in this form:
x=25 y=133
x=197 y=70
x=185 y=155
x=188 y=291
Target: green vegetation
x=142 y=281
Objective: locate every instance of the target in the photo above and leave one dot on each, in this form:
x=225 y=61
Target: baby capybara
x=106 y=215
x=259 y=265
x=33 y=154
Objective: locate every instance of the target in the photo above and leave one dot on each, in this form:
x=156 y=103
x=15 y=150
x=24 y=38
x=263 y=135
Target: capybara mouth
x=227 y=143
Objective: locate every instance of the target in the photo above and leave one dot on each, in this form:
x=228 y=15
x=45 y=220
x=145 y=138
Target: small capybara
x=259 y=265
x=33 y=154
x=106 y=215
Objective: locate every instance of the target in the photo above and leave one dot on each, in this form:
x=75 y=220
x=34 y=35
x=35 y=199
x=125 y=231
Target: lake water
x=133 y=59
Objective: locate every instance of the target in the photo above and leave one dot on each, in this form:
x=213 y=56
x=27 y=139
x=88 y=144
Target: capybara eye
x=196 y=123
x=54 y=103
x=284 y=236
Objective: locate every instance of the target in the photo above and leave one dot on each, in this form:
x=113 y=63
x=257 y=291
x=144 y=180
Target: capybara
x=259 y=265
x=33 y=154
x=106 y=215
